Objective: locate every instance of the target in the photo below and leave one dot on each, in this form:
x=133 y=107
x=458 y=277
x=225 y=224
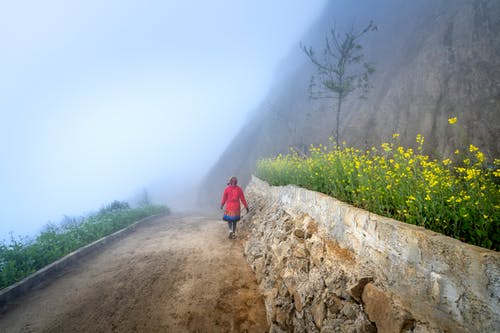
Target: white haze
x=101 y=99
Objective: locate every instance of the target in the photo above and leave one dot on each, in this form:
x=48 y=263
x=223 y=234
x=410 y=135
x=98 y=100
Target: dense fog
x=100 y=101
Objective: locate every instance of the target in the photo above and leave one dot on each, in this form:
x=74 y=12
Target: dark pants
x=232 y=225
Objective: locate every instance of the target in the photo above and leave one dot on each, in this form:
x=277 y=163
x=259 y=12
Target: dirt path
x=173 y=274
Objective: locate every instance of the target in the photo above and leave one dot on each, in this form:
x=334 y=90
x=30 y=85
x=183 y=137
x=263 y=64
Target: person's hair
x=233 y=181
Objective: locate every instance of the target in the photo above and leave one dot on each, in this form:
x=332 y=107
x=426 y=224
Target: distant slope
x=435 y=59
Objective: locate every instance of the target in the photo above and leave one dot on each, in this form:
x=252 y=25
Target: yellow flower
x=453 y=120
x=433 y=183
x=395 y=135
x=473 y=148
x=480 y=156
x=457 y=152
x=420 y=139
x=446 y=161
x=472 y=173
x=386 y=147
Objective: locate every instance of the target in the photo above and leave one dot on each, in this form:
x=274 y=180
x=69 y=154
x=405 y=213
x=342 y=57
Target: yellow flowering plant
x=460 y=199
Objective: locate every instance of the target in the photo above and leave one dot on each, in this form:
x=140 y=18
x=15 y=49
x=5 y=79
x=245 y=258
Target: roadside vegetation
x=24 y=256
x=459 y=198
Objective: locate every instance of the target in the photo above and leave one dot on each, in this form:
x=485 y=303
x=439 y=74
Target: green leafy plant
x=23 y=256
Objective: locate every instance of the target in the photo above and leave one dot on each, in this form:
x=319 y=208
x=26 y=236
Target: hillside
x=434 y=60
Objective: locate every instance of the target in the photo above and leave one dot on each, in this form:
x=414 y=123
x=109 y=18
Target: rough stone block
x=318 y=311
x=317 y=251
x=349 y=310
x=383 y=312
x=299 y=233
x=357 y=290
x=311 y=227
x=300 y=251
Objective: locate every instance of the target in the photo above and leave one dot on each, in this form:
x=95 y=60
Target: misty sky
x=100 y=99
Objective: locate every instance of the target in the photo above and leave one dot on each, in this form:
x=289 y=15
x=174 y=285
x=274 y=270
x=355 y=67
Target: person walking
x=231 y=197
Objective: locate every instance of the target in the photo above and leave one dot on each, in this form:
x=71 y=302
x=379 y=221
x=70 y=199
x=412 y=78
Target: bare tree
x=341 y=69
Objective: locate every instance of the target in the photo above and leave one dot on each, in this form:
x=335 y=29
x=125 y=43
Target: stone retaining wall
x=326 y=266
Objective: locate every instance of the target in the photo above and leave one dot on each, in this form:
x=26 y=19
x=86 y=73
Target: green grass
x=459 y=199
x=24 y=256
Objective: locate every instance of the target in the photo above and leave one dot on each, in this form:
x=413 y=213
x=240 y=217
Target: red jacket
x=231 y=198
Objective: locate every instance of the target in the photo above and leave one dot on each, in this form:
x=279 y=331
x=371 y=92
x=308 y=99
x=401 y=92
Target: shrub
x=459 y=199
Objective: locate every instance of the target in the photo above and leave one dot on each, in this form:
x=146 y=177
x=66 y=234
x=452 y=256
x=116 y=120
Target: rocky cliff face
x=435 y=59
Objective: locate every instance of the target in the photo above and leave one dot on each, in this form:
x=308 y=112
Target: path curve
x=173 y=274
